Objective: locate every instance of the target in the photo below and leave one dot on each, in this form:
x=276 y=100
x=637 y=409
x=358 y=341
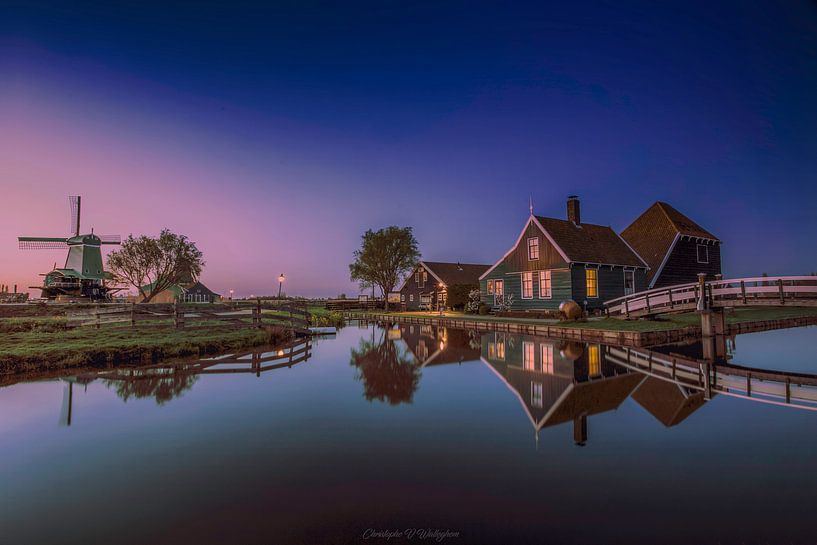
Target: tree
x=152 y=265
x=384 y=257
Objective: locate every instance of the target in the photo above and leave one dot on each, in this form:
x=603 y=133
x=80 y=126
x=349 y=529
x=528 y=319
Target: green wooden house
x=556 y=260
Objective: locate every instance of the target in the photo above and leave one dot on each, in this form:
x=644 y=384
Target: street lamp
x=440 y=298
x=280 y=284
x=231 y=294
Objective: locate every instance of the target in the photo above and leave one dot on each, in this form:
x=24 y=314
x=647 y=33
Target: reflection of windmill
x=83 y=274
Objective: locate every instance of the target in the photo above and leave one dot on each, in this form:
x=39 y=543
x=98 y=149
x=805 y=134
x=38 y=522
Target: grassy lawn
x=38 y=343
x=663 y=323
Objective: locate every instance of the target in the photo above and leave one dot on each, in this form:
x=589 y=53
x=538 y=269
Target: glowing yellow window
x=592 y=278
x=593 y=360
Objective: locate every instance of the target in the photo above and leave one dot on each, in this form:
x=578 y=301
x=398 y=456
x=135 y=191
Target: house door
x=499 y=291
x=629 y=282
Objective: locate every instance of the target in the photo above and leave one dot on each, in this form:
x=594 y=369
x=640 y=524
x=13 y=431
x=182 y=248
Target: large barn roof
x=452 y=274
x=652 y=234
x=589 y=243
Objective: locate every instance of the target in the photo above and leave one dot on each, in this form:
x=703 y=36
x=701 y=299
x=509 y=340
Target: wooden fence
x=238 y=314
x=756 y=291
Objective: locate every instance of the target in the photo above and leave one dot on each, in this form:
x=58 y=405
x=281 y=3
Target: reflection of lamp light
x=280 y=352
x=442 y=345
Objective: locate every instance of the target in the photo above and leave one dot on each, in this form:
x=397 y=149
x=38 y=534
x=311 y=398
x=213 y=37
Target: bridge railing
x=760 y=290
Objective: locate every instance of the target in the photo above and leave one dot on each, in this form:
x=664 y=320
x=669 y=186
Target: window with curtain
x=527 y=285
x=592 y=278
x=545 y=285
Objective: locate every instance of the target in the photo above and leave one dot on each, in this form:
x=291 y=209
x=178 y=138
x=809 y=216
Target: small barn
x=555 y=260
x=187 y=292
x=675 y=247
x=427 y=286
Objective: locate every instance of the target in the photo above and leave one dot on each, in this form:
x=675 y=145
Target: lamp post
x=440 y=287
x=280 y=284
x=231 y=294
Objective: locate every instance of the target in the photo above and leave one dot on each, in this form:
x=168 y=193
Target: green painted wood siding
x=611 y=284
x=560 y=289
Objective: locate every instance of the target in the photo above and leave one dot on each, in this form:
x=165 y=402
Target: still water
x=485 y=438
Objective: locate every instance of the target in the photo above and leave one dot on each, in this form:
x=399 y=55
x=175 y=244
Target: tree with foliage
x=152 y=265
x=384 y=257
x=459 y=294
x=387 y=375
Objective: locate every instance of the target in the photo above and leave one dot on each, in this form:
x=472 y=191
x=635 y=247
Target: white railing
x=735 y=291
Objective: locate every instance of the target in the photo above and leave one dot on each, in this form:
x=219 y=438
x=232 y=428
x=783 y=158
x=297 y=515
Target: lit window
x=402 y=297
x=593 y=360
x=417 y=277
x=536 y=397
x=592 y=277
x=411 y=297
x=499 y=287
x=533 y=248
x=547 y=358
x=703 y=253
x=545 y=285
x=500 y=346
x=491 y=351
x=490 y=287
x=527 y=285
x=528 y=356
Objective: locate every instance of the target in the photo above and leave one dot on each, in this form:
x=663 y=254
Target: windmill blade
x=41 y=243
x=75 y=203
x=110 y=239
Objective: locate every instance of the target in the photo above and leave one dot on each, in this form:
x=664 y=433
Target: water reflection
x=388 y=371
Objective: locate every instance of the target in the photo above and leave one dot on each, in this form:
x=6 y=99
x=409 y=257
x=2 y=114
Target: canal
x=483 y=437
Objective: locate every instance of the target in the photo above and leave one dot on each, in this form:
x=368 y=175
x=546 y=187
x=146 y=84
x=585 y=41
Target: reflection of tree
x=162 y=387
x=387 y=375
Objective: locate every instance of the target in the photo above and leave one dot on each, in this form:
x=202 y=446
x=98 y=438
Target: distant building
x=675 y=247
x=186 y=292
x=428 y=284
x=555 y=260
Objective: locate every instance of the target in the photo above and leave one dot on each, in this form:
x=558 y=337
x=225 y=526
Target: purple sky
x=274 y=137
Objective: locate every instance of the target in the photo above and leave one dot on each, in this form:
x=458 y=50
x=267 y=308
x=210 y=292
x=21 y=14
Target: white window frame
x=531 y=239
x=586 y=290
x=411 y=297
x=698 y=253
x=631 y=272
x=528 y=356
x=546 y=279
x=547 y=358
x=530 y=294
x=501 y=285
x=537 y=394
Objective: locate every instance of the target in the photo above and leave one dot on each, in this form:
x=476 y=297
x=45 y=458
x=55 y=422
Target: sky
x=273 y=134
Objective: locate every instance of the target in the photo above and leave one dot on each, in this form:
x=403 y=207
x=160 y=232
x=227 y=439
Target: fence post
x=669 y=293
x=96 y=313
x=743 y=291
x=257 y=312
x=626 y=310
x=133 y=315
x=647 y=299
x=782 y=293
x=178 y=316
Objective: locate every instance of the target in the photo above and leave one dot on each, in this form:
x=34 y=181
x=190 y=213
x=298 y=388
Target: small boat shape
x=323 y=330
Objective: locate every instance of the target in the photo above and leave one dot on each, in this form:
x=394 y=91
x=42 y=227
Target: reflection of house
x=675 y=247
x=554 y=260
x=668 y=402
x=432 y=345
x=558 y=382
x=427 y=286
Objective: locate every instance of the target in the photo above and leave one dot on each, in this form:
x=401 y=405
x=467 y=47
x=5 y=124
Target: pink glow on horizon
x=139 y=175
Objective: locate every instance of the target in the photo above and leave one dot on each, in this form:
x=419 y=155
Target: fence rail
x=259 y=313
x=754 y=291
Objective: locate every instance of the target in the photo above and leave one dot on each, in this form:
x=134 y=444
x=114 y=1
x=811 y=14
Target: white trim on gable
x=519 y=239
x=633 y=250
x=411 y=275
x=664 y=261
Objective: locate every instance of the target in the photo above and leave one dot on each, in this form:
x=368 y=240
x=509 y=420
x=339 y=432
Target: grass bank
x=45 y=343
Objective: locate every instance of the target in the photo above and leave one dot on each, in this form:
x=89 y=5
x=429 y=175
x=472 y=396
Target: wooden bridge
x=798 y=390
x=758 y=291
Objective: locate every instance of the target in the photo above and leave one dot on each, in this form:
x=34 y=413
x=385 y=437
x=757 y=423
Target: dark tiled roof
x=588 y=243
x=456 y=273
x=595 y=397
x=653 y=232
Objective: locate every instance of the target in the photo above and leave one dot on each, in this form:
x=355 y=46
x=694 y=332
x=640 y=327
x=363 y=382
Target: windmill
x=83 y=275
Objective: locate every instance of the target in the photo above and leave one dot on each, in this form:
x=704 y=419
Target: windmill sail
x=75 y=202
x=42 y=243
x=110 y=239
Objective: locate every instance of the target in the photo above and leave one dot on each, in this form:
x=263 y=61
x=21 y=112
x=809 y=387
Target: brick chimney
x=573 y=210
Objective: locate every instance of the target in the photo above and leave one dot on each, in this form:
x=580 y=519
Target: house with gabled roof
x=426 y=287
x=675 y=247
x=555 y=260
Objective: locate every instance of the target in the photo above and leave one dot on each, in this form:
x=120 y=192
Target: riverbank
x=666 y=329
x=47 y=343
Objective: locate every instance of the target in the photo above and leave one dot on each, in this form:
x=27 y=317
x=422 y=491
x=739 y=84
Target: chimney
x=573 y=210
x=580 y=430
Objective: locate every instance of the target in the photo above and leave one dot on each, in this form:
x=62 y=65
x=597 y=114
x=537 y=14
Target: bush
x=483 y=309
x=458 y=295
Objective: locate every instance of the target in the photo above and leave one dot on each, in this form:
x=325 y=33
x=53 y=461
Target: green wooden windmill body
x=83 y=275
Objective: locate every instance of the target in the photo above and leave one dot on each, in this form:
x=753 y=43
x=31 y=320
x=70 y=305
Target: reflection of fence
x=757 y=291
x=240 y=314
x=775 y=387
x=246 y=362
